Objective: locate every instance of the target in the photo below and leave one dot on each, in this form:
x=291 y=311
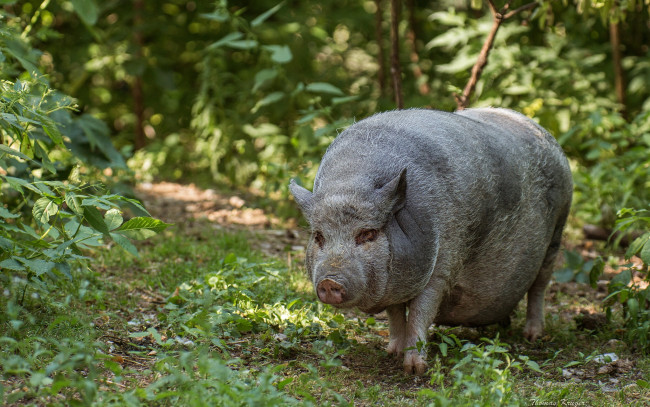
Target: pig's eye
x=319 y=239
x=366 y=236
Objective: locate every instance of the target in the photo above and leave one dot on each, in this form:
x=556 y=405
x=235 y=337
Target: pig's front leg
x=422 y=311
x=397 y=327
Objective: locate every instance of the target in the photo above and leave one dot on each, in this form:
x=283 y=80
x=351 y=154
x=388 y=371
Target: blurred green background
x=246 y=95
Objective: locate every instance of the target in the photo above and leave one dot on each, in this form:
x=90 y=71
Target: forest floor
x=217 y=310
x=573 y=355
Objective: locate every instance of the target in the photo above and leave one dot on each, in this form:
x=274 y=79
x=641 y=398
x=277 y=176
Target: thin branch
x=525 y=7
x=462 y=101
x=493 y=8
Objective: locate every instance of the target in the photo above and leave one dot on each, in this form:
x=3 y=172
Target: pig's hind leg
x=535 y=308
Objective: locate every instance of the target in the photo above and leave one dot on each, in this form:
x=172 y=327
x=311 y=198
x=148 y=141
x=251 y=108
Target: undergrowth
x=201 y=319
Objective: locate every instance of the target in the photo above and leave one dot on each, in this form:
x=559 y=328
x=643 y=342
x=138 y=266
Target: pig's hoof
x=414 y=363
x=532 y=331
x=395 y=347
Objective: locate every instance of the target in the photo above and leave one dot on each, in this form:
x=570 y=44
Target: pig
x=437 y=217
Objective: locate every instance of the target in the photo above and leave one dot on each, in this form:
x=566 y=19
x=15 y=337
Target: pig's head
x=349 y=253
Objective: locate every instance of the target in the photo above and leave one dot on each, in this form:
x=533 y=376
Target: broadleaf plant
x=50 y=217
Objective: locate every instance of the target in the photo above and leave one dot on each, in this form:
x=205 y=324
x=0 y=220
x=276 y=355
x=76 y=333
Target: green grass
x=203 y=319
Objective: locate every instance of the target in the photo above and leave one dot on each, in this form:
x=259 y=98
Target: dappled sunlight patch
x=178 y=202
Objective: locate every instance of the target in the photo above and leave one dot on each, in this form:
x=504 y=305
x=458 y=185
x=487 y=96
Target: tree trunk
x=137 y=86
x=395 y=68
x=619 y=78
x=381 y=73
x=415 y=59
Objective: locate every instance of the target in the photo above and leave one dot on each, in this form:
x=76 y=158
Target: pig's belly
x=483 y=301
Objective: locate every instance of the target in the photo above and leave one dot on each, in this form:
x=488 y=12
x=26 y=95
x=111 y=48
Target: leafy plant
x=481 y=375
x=259 y=129
x=579 y=270
x=49 y=222
x=613 y=173
x=204 y=378
x=631 y=287
x=50 y=214
x=67 y=219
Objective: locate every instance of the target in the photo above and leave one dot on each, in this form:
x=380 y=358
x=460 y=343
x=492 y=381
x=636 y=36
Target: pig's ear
x=302 y=196
x=392 y=196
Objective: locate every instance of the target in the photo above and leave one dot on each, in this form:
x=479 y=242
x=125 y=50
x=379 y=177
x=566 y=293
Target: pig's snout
x=330 y=292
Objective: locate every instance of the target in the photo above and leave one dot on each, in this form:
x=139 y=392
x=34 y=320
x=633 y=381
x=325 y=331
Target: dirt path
x=177 y=203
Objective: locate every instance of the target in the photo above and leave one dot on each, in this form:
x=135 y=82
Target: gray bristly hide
x=451 y=216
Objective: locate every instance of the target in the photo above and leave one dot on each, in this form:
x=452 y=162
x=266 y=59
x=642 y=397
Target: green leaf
x=99 y=202
x=280 y=54
x=262 y=77
x=242 y=44
x=45 y=159
x=54 y=134
x=265 y=15
x=623 y=296
x=230 y=258
x=23 y=54
x=596 y=271
x=344 y=99
x=323 y=87
x=244 y=325
x=98 y=135
x=283 y=383
x=74 y=203
x=225 y=40
x=533 y=366
x=63 y=246
x=11 y=264
x=18 y=183
x=124 y=243
x=43 y=209
x=623 y=278
x=113 y=218
x=632 y=308
x=563 y=275
x=87 y=10
x=636 y=245
x=6 y=244
x=11 y=151
x=142 y=227
x=217 y=15
x=645 y=252
x=4 y=213
x=443 y=348
x=156 y=335
x=94 y=218
x=44 y=189
x=38 y=266
x=267 y=100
